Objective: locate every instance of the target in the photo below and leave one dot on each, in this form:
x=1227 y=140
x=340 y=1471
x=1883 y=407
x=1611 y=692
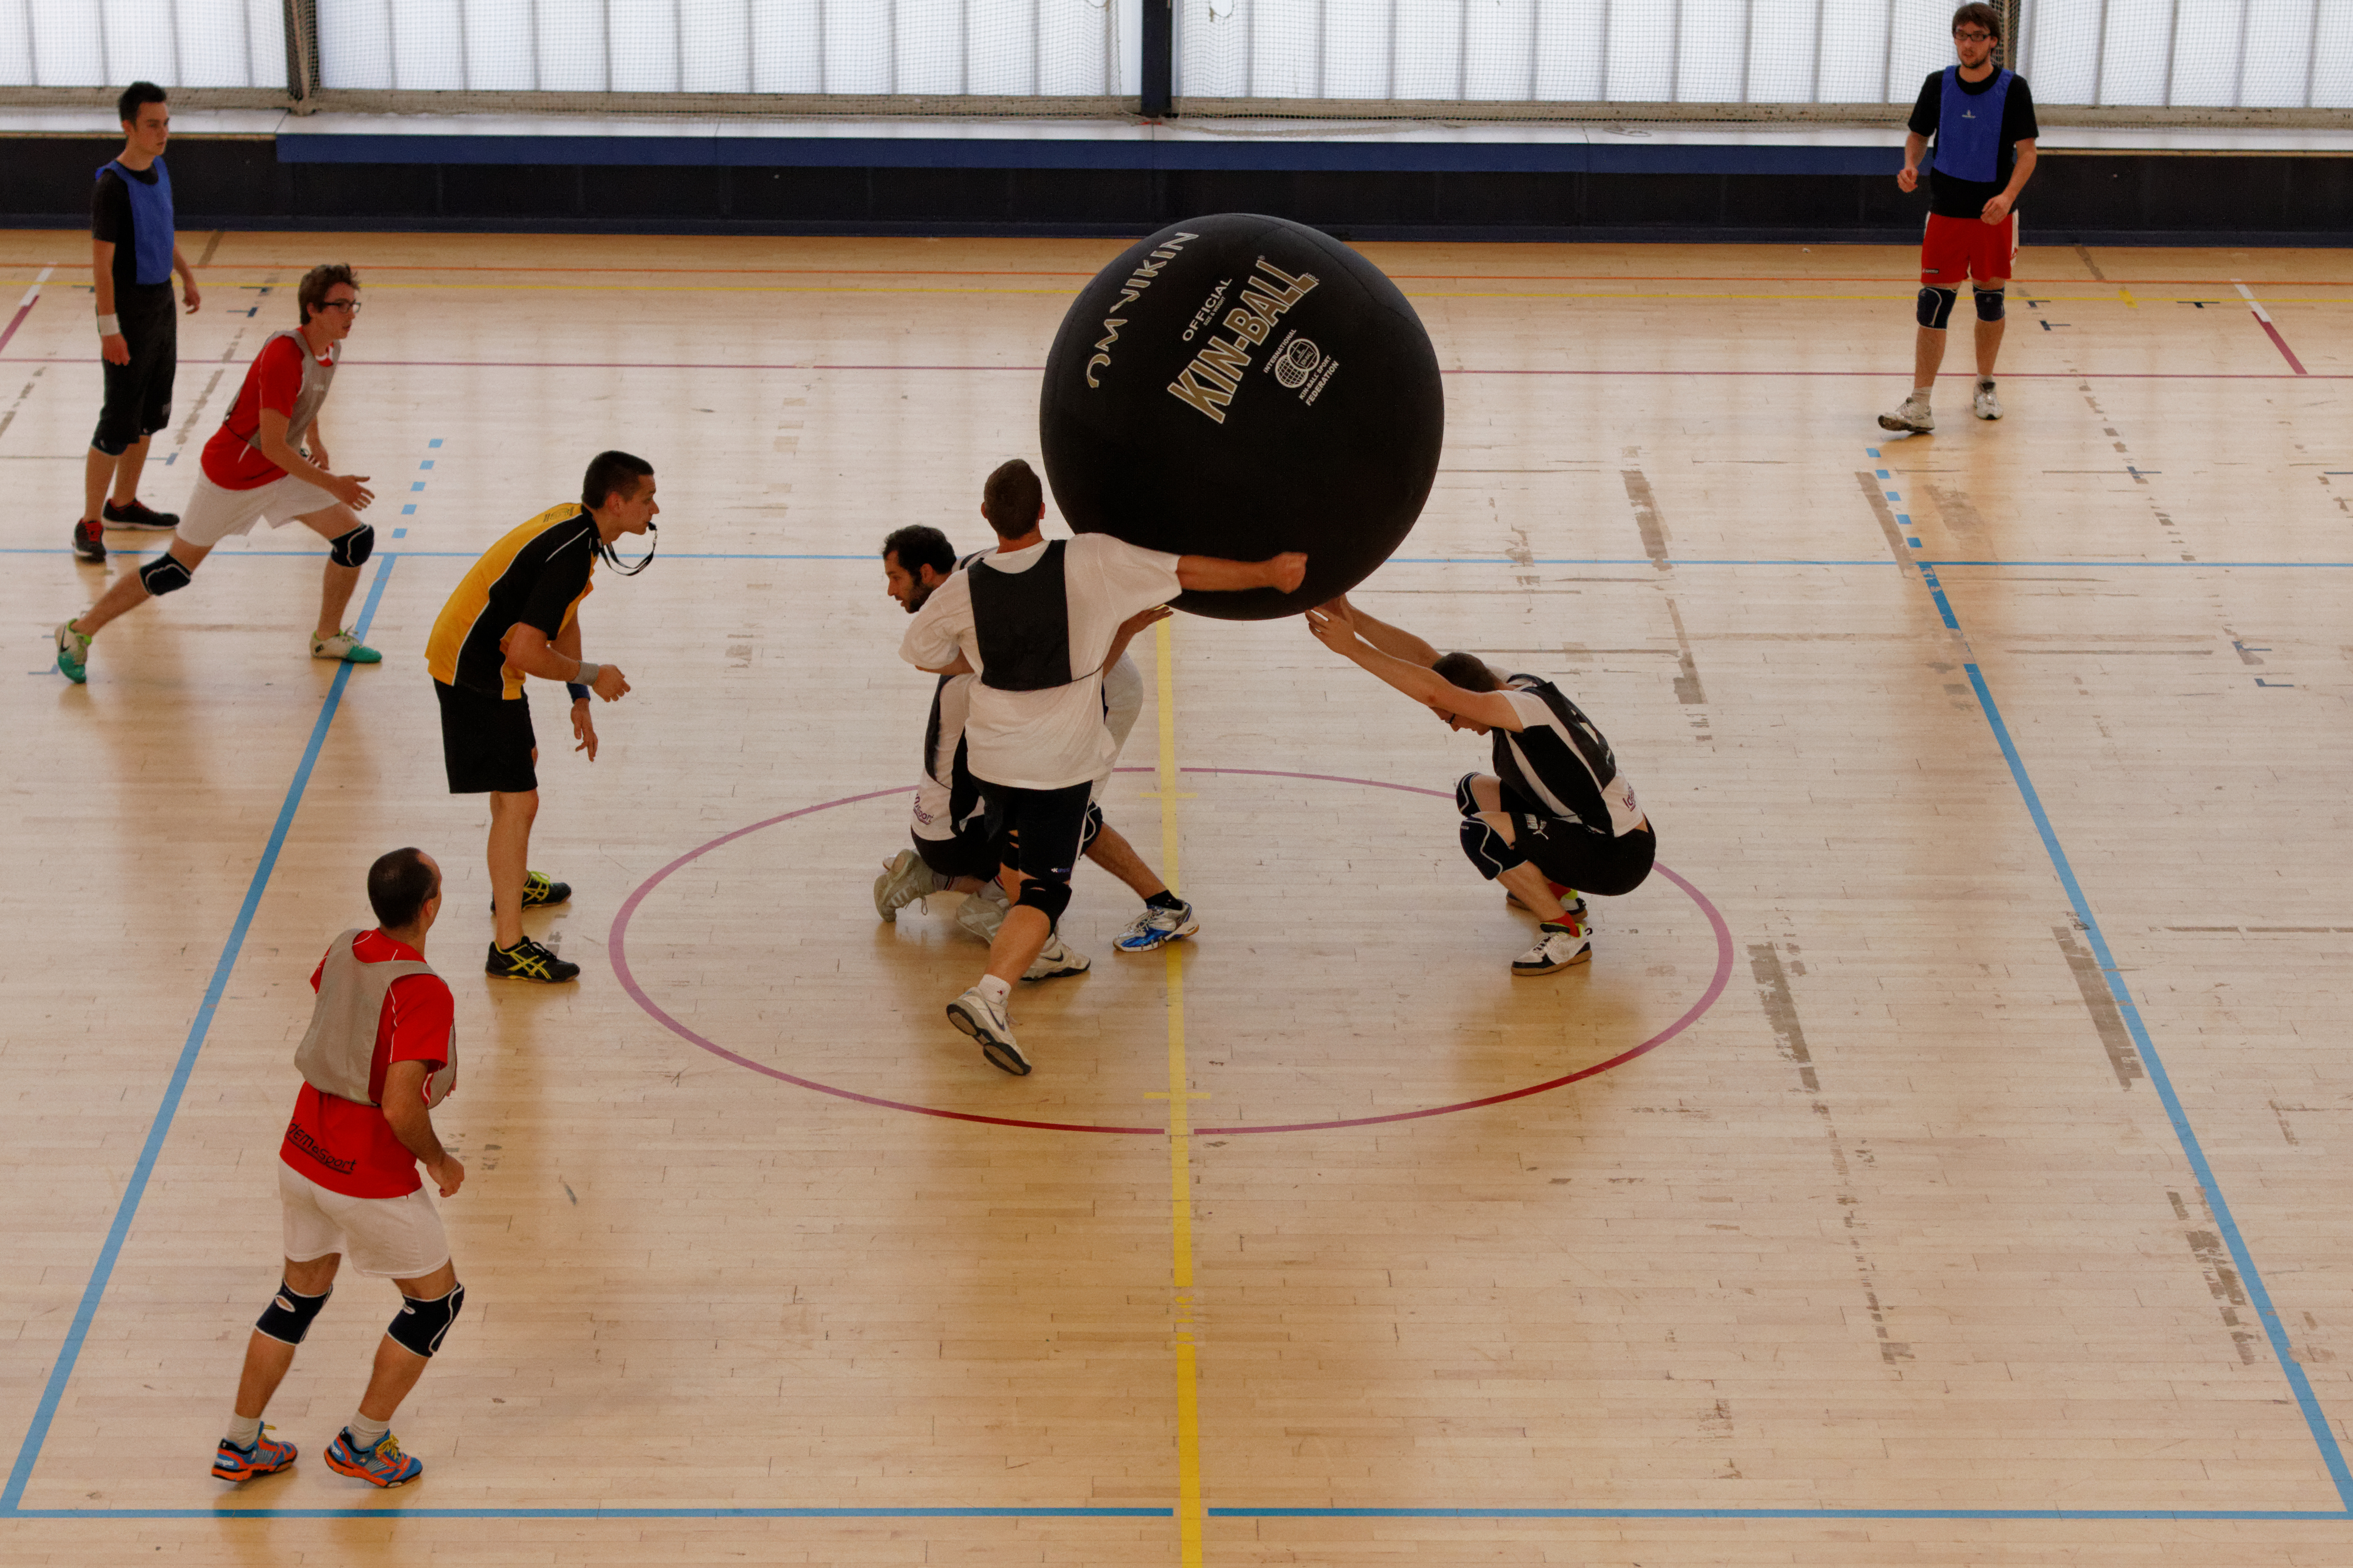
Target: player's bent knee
x=288 y=1317
x=1049 y=899
x=1937 y=307
x=422 y=1325
x=1488 y=850
x=1990 y=302
x=1466 y=798
x=352 y=549
x=167 y=573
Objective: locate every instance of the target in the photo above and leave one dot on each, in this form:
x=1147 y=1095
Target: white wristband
x=588 y=674
x=109 y=327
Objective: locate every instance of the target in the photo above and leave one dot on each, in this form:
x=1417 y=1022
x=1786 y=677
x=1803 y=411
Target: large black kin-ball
x=1240 y=385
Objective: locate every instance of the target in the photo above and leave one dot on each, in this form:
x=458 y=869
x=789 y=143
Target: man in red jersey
x=255 y=471
x=381 y=1052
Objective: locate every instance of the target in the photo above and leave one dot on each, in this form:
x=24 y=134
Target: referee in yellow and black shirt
x=517 y=613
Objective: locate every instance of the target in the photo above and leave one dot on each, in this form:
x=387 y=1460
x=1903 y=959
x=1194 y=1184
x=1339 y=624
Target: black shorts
x=967 y=854
x=1038 y=832
x=486 y=741
x=138 y=395
x=1576 y=857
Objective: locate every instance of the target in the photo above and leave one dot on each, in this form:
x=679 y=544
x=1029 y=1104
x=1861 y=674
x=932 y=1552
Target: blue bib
x=1968 y=129
x=151 y=221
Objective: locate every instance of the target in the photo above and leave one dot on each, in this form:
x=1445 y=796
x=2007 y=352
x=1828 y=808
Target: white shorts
x=214 y=513
x=389 y=1239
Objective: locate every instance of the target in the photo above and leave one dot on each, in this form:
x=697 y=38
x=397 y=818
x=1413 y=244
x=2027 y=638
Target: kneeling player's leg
x=167 y=573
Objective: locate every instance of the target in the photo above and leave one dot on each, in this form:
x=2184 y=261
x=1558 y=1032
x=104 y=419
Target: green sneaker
x=73 y=654
x=344 y=646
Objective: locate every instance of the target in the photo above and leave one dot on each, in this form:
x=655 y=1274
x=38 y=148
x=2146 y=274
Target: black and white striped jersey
x=1558 y=764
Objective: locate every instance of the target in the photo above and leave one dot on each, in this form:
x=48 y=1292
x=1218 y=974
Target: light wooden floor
x=1910 y=1249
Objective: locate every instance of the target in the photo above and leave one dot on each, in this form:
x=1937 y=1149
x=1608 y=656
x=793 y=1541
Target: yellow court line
x=1180 y=1156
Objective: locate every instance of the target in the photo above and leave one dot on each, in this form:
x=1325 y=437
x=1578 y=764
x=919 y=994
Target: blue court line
x=69 y=1352
x=2258 y=1294
x=589 y=1513
x=2169 y=1513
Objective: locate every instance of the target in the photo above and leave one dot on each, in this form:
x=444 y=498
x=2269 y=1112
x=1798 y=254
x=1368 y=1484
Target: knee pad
x=1990 y=303
x=352 y=549
x=167 y=573
x=1464 y=801
x=1049 y=899
x=422 y=1325
x=1937 y=307
x=288 y=1317
x=1488 y=849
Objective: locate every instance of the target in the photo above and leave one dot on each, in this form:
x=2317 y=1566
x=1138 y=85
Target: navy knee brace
x=288 y=1317
x=422 y=1325
x=1465 y=801
x=167 y=573
x=352 y=549
x=1937 y=307
x=1990 y=303
x=1488 y=849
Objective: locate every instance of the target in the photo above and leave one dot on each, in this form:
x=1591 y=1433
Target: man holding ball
x=1036 y=622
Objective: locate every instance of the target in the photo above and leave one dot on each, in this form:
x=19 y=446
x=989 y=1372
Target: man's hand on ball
x=1334 y=632
x=610 y=683
x=1286 y=571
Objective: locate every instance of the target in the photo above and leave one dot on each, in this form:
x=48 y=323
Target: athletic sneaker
x=1054 y=961
x=89 y=543
x=266 y=1457
x=527 y=960
x=1911 y=415
x=984 y=912
x=905 y=879
x=135 y=513
x=1561 y=946
x=382 y=1466
x=540 y=891
x=73 y=654
x=1986 y=405
x=1156 y=927
x=345 y=647
x=985 y=1021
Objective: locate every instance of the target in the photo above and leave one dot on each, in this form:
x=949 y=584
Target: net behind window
x=112 y=43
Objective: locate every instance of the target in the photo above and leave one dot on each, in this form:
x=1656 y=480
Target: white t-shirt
x=1055 y=738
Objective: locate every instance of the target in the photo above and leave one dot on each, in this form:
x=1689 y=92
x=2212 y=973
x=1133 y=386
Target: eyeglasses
x=1973 y=37
x=350 y=305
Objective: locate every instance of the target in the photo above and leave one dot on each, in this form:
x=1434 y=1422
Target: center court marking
x=618 y=946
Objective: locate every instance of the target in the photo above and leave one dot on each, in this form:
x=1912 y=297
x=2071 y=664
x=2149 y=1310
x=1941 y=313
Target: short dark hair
x=610 y=471
x=1984 y=16
x=312 y=292
x=398 y=885
x=137 y=93
x=1011 y=497
x=918 y=545
x=1467 y=670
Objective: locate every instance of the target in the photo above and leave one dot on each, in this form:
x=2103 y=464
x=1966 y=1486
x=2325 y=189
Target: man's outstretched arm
x=1394 y=641
x=1424 y=684
x=1214 y=574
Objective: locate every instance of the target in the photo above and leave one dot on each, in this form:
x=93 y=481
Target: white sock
x=244 y=1431
x=364 y=1433
x=1922 y=393
x=992 y=988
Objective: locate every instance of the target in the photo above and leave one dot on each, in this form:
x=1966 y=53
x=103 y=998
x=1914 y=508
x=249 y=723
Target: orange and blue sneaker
x=266 y=1457
x=382 y=1466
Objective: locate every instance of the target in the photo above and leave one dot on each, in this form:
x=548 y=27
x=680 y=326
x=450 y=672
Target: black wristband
x=579 y=692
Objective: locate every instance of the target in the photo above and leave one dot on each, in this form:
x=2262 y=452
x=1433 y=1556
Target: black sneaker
x=136 y=513
x=539 y=892
x=526 y=960
x=88 y=544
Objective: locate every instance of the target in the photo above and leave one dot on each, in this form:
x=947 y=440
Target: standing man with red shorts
x=1982 y=117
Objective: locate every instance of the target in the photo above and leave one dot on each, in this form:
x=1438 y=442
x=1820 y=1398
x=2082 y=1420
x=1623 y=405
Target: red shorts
x=1956 y=249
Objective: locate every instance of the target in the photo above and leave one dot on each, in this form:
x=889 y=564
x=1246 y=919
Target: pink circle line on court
x=619 y=946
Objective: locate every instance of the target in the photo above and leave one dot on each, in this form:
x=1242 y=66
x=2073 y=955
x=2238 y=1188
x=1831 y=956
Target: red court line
x=25 y=307
x=2264 y=318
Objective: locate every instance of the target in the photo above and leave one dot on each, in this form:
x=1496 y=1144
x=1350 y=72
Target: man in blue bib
x=1982 y=118
x=134 y=253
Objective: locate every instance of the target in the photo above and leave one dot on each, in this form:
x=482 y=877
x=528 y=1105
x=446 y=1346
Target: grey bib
x=339 y=1049
x=316 y=380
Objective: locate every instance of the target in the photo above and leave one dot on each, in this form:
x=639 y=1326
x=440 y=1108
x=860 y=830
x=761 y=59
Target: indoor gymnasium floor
x=1942 y=1161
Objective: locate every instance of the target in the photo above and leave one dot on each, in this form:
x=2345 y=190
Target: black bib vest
x=1022 y=620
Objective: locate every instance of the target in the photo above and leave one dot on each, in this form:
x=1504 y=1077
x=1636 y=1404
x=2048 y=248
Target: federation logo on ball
x=1299 y=360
